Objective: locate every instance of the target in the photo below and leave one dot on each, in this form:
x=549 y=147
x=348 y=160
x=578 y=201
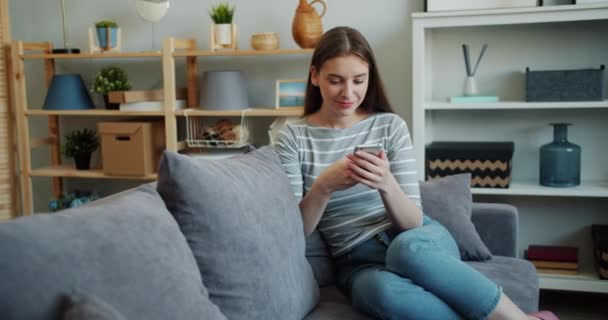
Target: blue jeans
x=418 y=275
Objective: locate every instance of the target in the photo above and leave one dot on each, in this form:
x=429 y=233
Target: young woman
x=392 y=260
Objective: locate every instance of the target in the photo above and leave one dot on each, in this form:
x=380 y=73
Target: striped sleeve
x=402 y=160
x=287 y=149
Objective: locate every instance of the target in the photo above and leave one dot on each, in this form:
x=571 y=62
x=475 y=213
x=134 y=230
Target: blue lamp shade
x=223 y=90
x=67 y=92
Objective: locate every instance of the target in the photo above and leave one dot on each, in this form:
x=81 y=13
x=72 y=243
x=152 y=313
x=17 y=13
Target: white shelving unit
x=542 y=38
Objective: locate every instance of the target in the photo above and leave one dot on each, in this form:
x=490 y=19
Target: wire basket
x=195 y=130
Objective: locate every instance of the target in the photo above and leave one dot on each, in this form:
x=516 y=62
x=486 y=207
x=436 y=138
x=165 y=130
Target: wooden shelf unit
x=172 y=48
x=517 y=38
x=68 y=171
x=252 y=112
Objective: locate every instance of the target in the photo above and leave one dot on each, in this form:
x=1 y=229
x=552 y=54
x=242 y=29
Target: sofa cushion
x=128 y=252
x=448 y=200
x=85 y=307
x=244 y=226
x=517 y=277
x=320 y=259
x=334 y=306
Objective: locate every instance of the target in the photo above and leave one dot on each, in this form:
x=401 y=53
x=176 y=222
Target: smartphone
x=373 y=148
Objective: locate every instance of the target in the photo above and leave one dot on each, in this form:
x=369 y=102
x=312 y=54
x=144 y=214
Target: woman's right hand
x=336 y=177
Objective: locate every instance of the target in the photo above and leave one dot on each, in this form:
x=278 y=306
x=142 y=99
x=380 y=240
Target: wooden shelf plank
x=252 y=112
x=586 y=281
x=109 y=55
x=69 y=171
x=523 y=15
x=92 y=112
x=597 y=189
x=508 y=105
x=199 y=53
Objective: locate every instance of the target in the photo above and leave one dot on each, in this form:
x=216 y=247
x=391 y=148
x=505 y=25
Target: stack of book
x=553 y=259
x=599 y=234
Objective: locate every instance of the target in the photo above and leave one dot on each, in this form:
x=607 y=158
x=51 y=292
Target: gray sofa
x=497 y=226
x=133 y=255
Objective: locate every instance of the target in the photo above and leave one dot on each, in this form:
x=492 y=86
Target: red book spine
x=552 y=253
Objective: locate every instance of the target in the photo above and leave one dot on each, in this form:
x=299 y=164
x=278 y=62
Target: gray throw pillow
x=85 y=307
x=244 y=227
x=126 y=249
x=448 y=200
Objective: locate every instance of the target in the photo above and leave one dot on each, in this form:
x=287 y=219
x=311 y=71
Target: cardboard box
x=456 y=5
x=131 y=148
x=144 y=95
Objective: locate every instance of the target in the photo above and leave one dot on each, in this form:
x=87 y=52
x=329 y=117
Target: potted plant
x=222 y=15
x=107 y=34
x=72 y=199
x=111 y=79
x=79 y=144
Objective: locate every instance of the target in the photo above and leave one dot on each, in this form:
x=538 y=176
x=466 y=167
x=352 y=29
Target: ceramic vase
x=307 y=27
x=560 y=160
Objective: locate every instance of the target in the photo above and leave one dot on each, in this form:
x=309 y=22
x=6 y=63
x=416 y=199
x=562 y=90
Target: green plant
x=222 y=13
x=79 y=142
x=111 y=79
x=72 y=199
x=106 y=24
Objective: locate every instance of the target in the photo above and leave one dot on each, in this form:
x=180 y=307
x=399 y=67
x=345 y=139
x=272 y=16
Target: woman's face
x=343 y=83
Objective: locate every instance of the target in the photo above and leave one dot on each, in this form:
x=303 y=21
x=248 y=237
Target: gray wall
x=385 y=23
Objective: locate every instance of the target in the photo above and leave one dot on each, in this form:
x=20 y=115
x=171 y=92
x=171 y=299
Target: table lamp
x=223 y=90
x=66 y=48
x=67 y=92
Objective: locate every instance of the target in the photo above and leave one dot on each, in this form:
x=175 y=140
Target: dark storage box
x=488 y=162
x=565 y=85
x=599 y=233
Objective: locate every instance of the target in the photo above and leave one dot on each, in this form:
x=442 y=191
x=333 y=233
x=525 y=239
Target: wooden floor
x=575 y=305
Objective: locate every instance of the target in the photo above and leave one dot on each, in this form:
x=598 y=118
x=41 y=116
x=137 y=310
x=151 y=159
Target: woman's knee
x=372 y=293
x=409 y=251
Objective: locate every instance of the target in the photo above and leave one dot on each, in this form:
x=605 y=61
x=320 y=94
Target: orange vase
x=307 y=27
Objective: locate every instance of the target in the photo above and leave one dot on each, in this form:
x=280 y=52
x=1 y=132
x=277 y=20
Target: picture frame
x=290 y=93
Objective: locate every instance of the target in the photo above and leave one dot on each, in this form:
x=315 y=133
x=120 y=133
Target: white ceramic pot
x=151 y=11
x=470 y=86
x=223 y=34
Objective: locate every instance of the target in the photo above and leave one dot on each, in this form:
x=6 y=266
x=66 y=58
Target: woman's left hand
x=371 y=170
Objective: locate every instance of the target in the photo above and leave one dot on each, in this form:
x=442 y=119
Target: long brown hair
x=343 y=41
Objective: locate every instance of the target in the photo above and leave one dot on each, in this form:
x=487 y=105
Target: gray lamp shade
x=67 y=92
x=223 y=90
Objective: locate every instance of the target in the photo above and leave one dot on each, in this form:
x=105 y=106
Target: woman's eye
x=334 y=81
x=359 y=82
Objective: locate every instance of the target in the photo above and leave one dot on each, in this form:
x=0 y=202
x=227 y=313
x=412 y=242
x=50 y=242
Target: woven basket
x=265 y=41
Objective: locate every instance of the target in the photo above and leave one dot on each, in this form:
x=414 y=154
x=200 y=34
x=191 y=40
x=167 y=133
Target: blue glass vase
x=560 y=160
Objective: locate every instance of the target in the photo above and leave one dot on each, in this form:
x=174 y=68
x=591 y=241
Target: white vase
x=470 y=86
x=223 y=33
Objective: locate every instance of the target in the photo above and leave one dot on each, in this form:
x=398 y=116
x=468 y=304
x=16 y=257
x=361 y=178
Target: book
x=455 y=5
x=150 y=106
x=556 y=271
x=552 y=253
x=144 y=95
x=473 y=99
x=555 y=264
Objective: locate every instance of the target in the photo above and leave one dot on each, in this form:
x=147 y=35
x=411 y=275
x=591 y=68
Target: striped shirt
x=356 y=214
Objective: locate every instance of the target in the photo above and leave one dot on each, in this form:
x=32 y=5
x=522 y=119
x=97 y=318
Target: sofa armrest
x=497 y=224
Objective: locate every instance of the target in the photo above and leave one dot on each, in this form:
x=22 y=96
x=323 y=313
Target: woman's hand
x=337 y=177
x=370 y=170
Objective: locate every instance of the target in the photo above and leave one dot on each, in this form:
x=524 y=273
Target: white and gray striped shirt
x=356 y=214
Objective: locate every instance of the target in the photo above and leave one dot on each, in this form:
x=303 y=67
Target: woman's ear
x=314 y=76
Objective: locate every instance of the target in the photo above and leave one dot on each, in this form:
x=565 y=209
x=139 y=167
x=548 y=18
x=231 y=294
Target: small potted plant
x=107 y=34
x=111 y=79
x=222 y=15
x=72 y=199
x=80 y=144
